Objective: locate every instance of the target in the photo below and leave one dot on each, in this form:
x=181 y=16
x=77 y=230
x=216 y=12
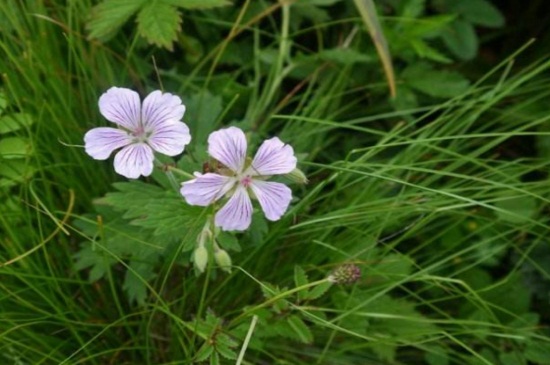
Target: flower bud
x=200 y=257
x=345 y=274
x=297 y=176
x=223 y=259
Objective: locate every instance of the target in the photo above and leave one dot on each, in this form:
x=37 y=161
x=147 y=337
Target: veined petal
x=236 y=214
x=206 y=189
x=134 y=160
x=229 y=147
x=101 y=142
x=170 y=138
x=159 y=108
x=274 y=198
x=121 y=106
x=273 y=158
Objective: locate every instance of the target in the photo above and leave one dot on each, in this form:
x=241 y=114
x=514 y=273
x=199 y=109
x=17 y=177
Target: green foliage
x=439 y=196
x=158 y=21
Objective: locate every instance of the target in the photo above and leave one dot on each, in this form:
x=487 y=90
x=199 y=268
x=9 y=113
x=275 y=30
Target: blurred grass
x=414 y=197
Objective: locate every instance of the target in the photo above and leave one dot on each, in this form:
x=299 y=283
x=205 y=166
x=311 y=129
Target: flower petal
x=134 y=160
x=274 y=198
x=101 y=142
x=229 y=147
x=159 y=108
x=170 y=138
x=236 y=214
x=206 y=189
x=273 y=158
x=121 y=106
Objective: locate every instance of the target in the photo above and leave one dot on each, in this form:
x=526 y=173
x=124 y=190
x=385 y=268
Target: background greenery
x=438 y=194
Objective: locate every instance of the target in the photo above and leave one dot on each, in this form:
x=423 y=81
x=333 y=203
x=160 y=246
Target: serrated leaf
x=461 y=39
x=215 y=359
x=300 y=328
x=224 y=350
x=437 y=83
x=159 y=23
x=197 y=4
x=135 y=279
x=318 y=291
x=12 y=122
x=300 y=279
x=110 y=15
x=204 y=353
x=14 y=147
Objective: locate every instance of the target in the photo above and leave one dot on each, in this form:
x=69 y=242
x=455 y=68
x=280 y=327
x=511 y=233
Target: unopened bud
x=200 y=257
x=345 y=274
x=297 y=176
x=223 y=260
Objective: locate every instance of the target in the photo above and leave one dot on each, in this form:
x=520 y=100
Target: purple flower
x=155 y=125
x=240 y=180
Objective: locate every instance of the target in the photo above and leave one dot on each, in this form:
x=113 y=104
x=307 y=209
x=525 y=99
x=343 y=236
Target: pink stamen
x=246 y=181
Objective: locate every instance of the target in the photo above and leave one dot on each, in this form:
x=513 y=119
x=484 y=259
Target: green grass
x=444 y=207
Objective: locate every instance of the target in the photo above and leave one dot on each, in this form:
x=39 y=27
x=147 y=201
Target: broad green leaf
x=203 y=110
x=110 y=15
x=370 y=18
x=480 y=12
x=461 y=39
x=13 y=122
x=14 y=147
x=512 y=358
x=196 y=4
x=16 y=170
x=385 y=351
x=300 y=328
x=159 y=23
x=437 y=83
x=537 y=352
x=413 y=8
x=521 y=208
x=228 y=241
x=436 y=355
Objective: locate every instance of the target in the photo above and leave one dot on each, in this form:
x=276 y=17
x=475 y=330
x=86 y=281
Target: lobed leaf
x=110 y=15
x=159 y=23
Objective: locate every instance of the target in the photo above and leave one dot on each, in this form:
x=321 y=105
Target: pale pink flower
x=240 y=180
x=154 y=125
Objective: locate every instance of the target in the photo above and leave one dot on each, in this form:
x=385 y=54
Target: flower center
x=246 y=181
x=140 y=134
